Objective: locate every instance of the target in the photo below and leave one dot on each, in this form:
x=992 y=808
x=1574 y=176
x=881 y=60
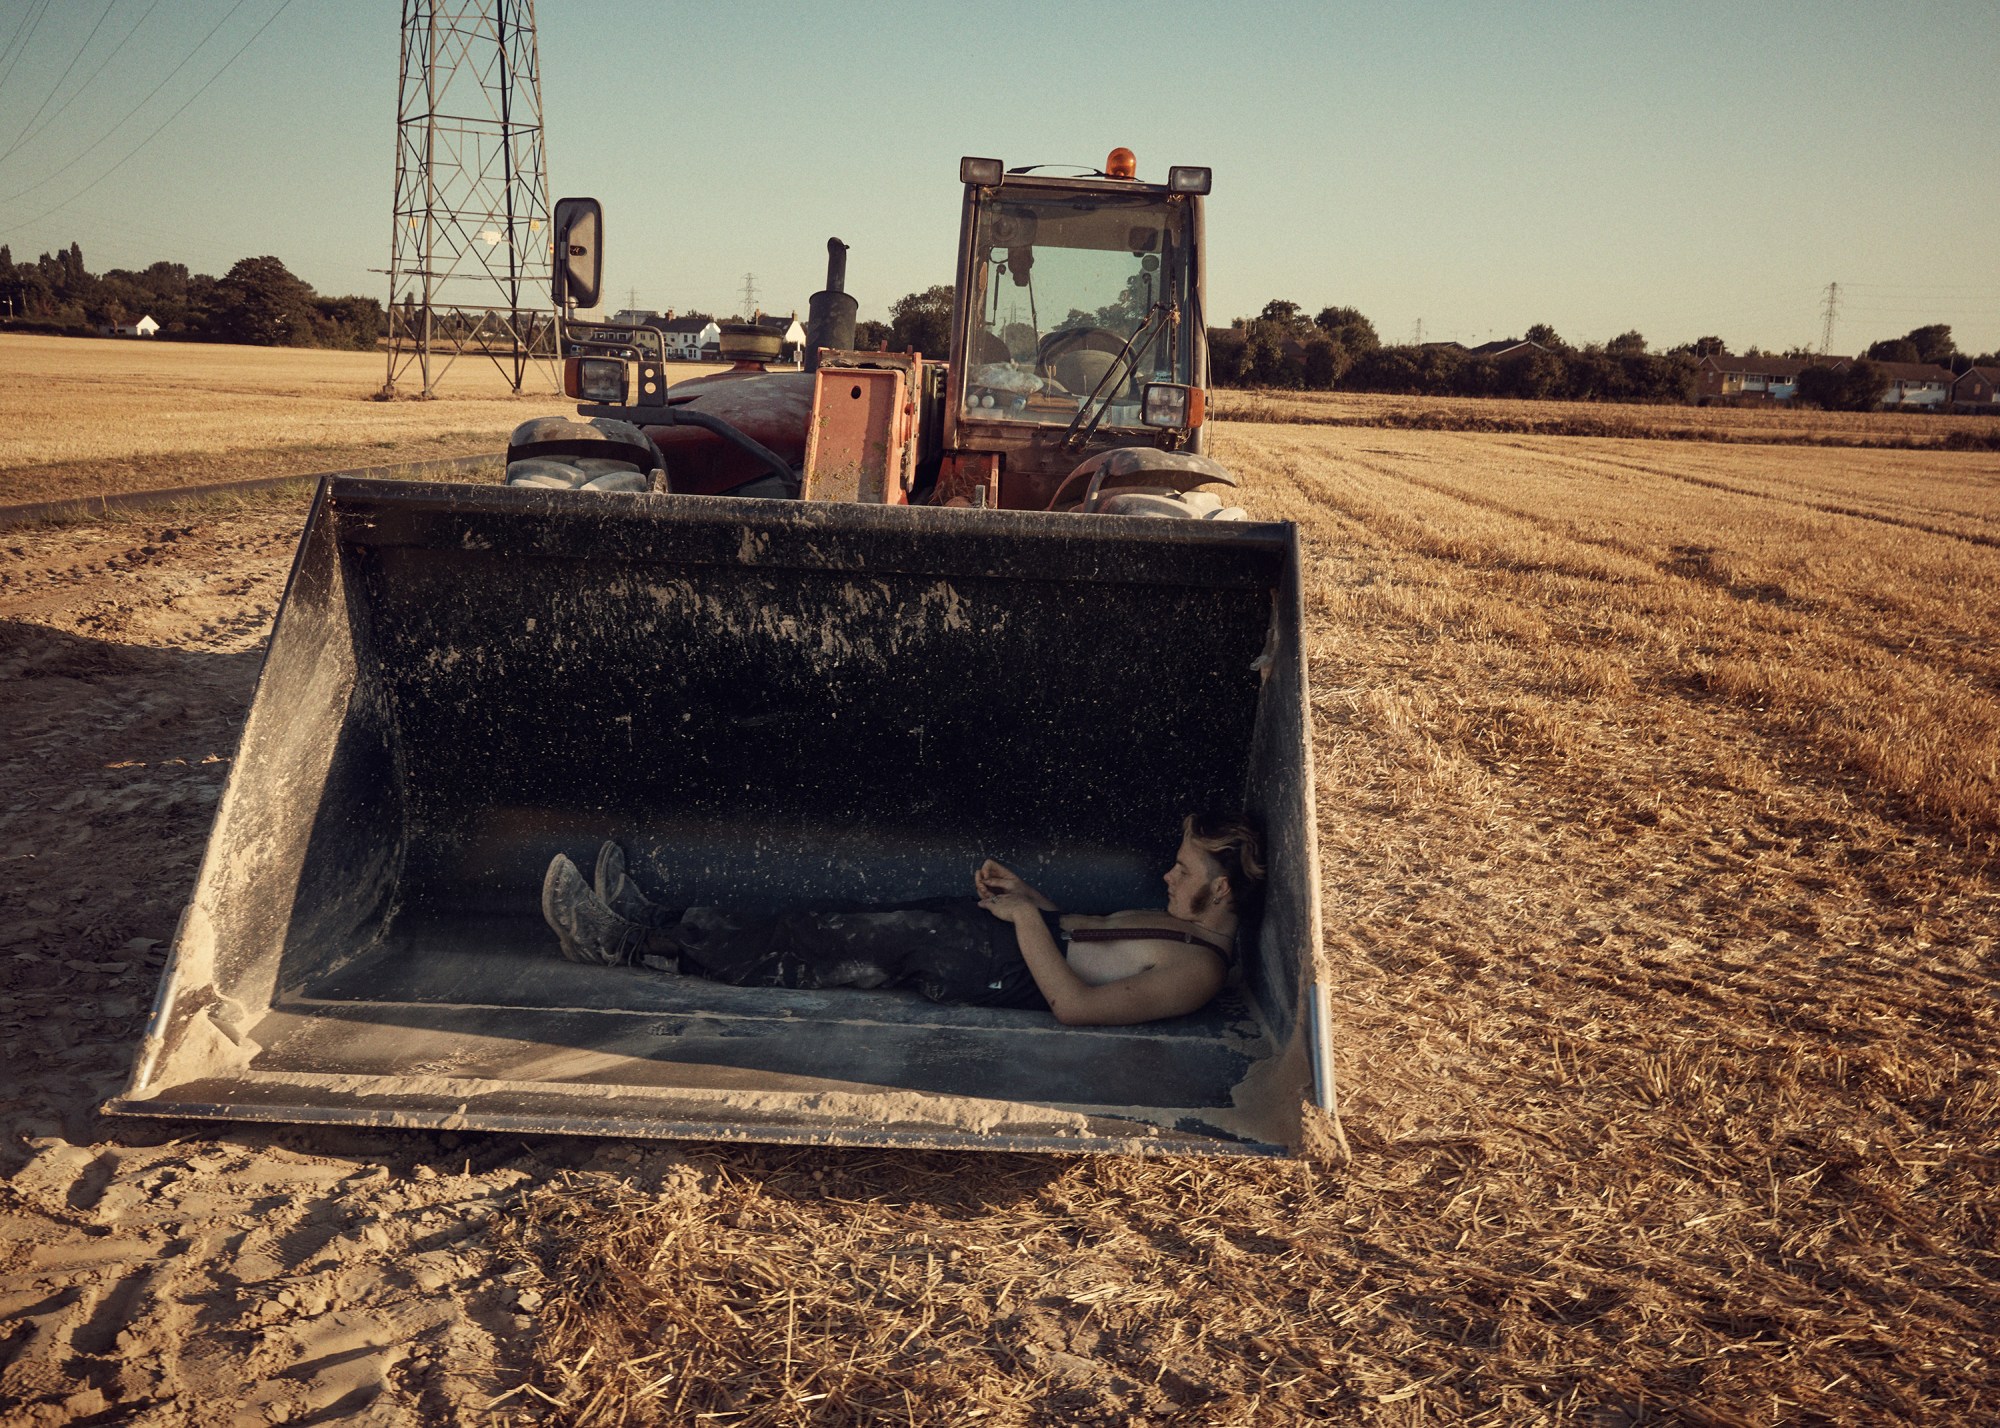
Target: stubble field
x=1659 y=798
x=80 y=417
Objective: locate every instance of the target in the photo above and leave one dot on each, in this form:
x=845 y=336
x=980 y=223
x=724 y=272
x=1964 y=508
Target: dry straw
x=1658 y=812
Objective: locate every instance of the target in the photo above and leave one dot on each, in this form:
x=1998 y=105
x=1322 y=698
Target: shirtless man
x=1003 y=948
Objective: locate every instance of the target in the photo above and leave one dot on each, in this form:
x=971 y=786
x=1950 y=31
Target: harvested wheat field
x=1766 y=425
x=85 y=417
x=1660 y=802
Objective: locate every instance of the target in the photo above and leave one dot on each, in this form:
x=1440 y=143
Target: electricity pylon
x=470 y=253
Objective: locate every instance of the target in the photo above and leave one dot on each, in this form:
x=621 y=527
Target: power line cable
x=170 y=118
x=33 y=21
x=69 y=164
x=83 y=88
x=102 y=16
x=7 y=48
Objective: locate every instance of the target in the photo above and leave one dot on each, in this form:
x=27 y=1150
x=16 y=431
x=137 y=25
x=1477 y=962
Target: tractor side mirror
x=579 y=265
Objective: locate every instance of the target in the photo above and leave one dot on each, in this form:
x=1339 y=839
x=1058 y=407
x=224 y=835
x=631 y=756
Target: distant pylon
x=470 y=252
x=749 y=297
x=1826 y=330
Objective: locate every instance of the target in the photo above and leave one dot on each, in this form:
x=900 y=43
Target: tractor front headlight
x=1171 y=405
x=601 y=379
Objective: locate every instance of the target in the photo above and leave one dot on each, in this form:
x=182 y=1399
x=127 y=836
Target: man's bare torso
x=1100 y=963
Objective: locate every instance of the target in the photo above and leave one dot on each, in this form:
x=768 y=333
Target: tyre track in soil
x=170 y=1273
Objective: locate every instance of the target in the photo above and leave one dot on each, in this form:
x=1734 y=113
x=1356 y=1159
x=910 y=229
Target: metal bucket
x=768 y=703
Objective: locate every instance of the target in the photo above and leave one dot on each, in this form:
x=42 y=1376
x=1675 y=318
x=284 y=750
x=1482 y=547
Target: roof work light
x=1183 y=179
x=1121 y=163
x=984 y=172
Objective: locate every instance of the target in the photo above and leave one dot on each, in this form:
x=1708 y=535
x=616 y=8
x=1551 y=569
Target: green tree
x=350 y=322
x=1546 y=336
x=1225 y=355
x=1272 y=357
x=1892 y=349
x=1857 y=388
x=921 y=322
x=260 y=302
x=870 y=335
x=1346 y=326
x=1626 y=344
x=1325 y=362
x=1289 y=316
x=1933 y=343
x=1537 y=375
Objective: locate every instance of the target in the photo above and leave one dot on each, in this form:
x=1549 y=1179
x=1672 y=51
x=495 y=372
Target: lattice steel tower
x=469 y=259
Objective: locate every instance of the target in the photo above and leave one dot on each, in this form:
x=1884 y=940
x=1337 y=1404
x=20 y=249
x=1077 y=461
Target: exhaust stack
x=831 y=312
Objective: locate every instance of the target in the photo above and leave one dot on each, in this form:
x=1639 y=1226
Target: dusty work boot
x=616 y=890
x=588 y=931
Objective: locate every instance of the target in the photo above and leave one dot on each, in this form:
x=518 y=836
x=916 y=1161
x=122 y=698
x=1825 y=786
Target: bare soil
x=1658 y=816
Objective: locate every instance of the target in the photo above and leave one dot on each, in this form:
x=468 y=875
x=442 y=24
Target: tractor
x=1076 y=378
x=789 y=637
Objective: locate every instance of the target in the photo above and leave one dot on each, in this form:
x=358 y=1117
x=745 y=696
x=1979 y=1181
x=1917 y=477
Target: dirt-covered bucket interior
x=768 y=704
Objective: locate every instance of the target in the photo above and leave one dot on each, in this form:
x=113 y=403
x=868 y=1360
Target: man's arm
x=1181 y=986
x=997 y=880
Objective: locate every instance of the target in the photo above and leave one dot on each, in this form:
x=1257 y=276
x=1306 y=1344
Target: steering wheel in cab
x=1078 y=357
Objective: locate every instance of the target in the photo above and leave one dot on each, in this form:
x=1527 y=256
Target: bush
x=1859 y=388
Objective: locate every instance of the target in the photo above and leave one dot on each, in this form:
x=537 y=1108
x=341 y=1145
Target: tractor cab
x=1077 y=328
x=1075 y=379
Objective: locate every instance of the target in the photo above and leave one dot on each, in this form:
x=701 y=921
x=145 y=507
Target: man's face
x=1191 y=889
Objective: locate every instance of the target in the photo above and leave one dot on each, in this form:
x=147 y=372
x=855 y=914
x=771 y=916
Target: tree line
x=258 y=301
x=1339 y=347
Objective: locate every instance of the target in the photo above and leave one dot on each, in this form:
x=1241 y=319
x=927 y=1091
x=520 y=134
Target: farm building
x=144 y=327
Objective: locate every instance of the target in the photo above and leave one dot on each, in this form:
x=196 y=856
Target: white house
x=686 y=336
x=144 y=327
x=790 y=331
x=681 y=337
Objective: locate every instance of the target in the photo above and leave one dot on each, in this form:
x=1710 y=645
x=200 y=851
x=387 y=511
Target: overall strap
x=1137 y=934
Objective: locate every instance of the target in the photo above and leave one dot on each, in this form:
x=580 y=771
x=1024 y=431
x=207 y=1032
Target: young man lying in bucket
x=1006 y=946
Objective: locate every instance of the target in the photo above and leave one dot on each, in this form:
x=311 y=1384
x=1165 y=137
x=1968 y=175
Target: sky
x=1474 y=168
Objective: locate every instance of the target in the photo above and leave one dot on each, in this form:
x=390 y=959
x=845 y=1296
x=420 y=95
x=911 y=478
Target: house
x=1750 y=380
x=1977 y=386
x=1915 y=384
x=791 y=332
x=686 y=336
x=681 y=337
x=1505 y=349
x=144 y=327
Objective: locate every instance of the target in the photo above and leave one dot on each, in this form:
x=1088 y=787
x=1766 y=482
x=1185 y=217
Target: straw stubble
x=1658 y=811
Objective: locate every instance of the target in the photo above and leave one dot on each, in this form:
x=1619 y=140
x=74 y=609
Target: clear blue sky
x=1683 y=170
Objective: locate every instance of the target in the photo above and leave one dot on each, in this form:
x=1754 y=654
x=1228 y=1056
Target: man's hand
x=994 y=880
x=1014 y=907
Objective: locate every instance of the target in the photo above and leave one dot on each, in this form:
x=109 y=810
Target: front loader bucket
x=768 y=703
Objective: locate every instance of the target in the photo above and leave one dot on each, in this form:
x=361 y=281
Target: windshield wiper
x=1076 y=434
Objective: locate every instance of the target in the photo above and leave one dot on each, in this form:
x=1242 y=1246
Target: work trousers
x=949 y=949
